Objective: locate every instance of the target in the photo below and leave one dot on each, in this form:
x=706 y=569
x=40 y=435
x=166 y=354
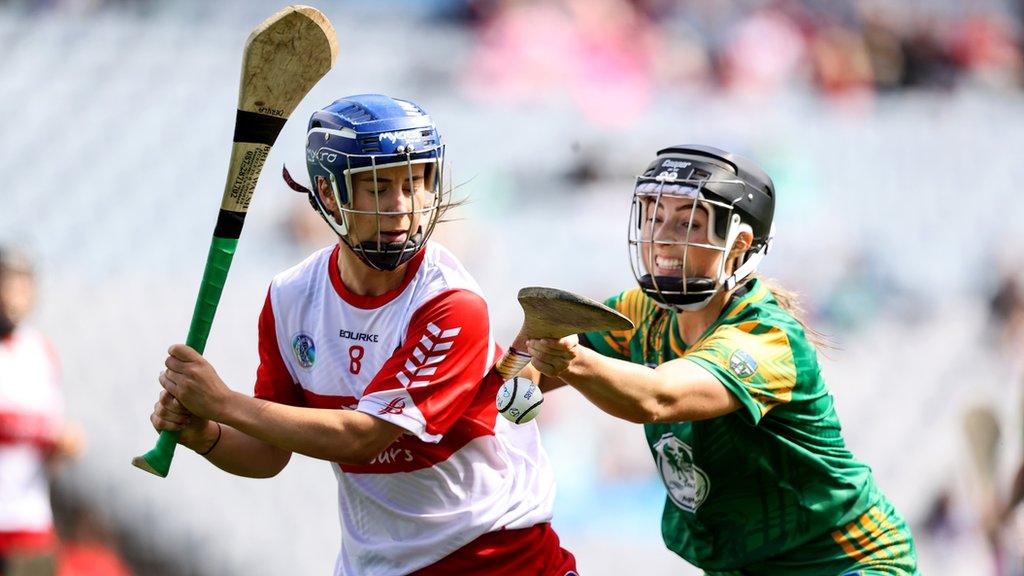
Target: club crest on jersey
x=687 y=484
x=304 y=349
x=742 y=364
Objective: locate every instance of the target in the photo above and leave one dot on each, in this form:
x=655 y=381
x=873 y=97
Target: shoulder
x=453 y=307
x=777 y=323
x=751 y=335
x=758 y=313
x=441 y=272
x=764 y=336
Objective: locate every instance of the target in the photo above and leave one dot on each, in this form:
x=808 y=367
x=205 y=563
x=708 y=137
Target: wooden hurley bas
x=283 y=59
x=554 y=313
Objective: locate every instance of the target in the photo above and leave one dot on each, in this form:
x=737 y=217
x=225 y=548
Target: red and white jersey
x=419 y=357
x=31 y=408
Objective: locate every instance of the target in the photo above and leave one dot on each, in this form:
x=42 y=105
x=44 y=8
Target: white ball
x=519 y=400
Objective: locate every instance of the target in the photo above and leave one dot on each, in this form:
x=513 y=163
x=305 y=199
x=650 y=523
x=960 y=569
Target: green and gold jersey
x=770 y=488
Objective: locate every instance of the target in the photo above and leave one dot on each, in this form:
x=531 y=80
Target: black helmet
x=737 y=194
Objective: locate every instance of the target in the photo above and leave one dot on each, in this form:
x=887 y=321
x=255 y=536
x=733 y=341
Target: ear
x=743 y=242
x=323 y=189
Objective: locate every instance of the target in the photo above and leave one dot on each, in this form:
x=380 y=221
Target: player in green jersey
x=727 y=383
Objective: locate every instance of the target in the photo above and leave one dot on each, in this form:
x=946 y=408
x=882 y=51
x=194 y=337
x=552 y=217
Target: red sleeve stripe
x=274 y=381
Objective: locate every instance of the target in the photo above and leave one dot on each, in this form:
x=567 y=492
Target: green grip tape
x=222 y=250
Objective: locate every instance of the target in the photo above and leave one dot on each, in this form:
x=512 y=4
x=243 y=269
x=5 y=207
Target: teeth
x=668 y=263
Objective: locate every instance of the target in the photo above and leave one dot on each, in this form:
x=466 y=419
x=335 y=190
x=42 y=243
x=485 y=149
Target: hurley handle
x=222 y=250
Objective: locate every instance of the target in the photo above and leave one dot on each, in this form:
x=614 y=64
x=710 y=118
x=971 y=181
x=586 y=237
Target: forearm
x=239 y=453
x=622 y=389
x=334 y=435
x=676 y=391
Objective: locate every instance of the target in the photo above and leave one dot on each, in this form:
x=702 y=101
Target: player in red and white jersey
x=33 y=433
x=376 y=354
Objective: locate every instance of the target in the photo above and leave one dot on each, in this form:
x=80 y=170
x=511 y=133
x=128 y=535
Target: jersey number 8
x=355 y=354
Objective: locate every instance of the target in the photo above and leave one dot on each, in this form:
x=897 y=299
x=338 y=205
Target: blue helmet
x=365 y=133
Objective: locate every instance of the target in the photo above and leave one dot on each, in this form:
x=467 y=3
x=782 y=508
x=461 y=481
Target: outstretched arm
x=676 y=391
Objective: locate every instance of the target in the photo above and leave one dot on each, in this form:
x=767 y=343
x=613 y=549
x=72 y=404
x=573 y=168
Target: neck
x=363 y=280
x=693 y=324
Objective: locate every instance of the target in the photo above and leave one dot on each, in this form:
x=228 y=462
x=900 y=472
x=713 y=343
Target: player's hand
x=193 y=382
x=169 y=414
x=552 y=357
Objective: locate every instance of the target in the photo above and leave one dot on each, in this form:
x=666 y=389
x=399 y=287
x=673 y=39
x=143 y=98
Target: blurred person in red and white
x=34 y=435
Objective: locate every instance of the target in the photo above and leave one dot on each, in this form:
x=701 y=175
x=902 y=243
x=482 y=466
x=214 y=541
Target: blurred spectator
x=842 y=64
x=928 y=63
x=984 y=47
x=609 y=57
x=33 y=433
x=881 y=29
x=597 y=52
x=1006 y=314
x=763 y=54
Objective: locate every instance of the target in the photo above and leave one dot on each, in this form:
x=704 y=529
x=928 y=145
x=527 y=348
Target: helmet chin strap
x=750 y=263
x=677 y=294
x=386 y=256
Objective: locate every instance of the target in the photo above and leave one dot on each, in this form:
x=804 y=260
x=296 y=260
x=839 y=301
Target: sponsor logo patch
x=304 y=349
x=686 y=483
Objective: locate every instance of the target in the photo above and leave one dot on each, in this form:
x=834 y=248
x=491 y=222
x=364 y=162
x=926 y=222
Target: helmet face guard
x=424 y=214
x=687 y=291
x=358 y=137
